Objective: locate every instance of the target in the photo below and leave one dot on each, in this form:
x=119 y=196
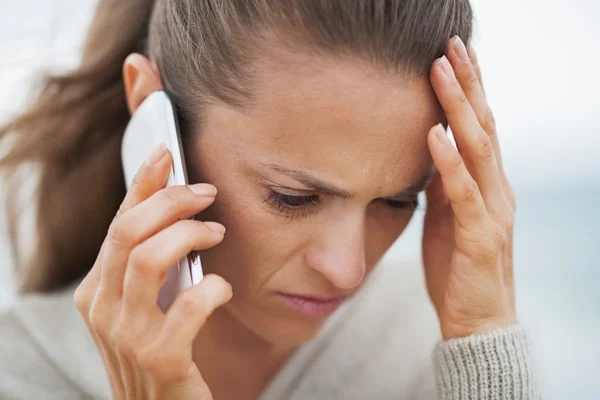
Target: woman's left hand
x=468 y=233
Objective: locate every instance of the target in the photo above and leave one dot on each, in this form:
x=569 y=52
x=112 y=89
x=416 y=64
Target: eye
x=411 y=205
x=292 y=206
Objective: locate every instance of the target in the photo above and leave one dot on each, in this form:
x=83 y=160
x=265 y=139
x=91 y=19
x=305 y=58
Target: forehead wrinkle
x=329 y=116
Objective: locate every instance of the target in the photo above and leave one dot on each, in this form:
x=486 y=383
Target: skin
x=362 y=131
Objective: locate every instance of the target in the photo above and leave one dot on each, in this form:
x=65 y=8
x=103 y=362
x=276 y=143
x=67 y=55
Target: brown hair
x=204 y=51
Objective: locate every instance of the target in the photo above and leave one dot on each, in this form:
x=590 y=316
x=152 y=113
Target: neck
x=226 y=351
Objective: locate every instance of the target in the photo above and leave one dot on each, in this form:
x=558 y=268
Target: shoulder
x=380 y=345
x=46 y=350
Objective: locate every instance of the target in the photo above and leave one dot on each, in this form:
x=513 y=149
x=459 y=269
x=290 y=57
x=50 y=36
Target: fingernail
x=447 y=68
x=157 y=154
x=203 y=189
x=442 y=136
x=460 y=49
x=215 y=227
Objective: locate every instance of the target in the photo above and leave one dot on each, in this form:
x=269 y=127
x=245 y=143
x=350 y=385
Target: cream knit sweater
x=383 y=344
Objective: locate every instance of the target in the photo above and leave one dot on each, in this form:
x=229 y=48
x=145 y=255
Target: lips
x=312 y=306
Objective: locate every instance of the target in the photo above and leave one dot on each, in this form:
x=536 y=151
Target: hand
x=148 y=354
x=468 y=232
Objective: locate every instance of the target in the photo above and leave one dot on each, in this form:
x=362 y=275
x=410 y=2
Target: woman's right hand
x=148 y=354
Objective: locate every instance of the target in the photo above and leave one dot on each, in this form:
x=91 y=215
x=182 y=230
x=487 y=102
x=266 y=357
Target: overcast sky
x=539 y=57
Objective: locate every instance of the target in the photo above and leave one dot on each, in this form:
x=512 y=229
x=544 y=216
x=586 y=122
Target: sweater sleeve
x=495 y=365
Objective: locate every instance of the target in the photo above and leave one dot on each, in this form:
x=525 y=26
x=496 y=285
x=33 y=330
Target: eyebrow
x=311 y=181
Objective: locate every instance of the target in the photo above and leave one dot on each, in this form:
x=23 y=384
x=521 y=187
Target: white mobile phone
x=155 y=121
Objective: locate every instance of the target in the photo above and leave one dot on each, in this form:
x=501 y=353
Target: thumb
x=193 y=307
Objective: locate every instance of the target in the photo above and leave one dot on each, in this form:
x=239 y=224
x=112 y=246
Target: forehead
x=343 y=119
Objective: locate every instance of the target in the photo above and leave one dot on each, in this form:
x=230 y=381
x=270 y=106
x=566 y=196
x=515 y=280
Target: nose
x=338 y=252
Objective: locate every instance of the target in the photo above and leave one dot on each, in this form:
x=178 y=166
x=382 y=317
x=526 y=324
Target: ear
x=141 y=78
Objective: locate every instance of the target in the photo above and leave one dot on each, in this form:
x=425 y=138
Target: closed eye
x=292 y=206
x=410 y=205
x=300 y=206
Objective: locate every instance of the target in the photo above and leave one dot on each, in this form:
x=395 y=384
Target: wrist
x=469 y=327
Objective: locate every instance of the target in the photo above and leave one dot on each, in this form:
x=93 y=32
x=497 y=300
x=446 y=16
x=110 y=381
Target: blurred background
x=540 y=65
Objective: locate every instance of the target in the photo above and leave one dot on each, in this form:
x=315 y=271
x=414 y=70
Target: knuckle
x=505 y=222
x=192 y=305
x=136 y=181
x=490 y=246
x=99 y=320
x=455 y=162
x=499 y=239
x=472 y=80
x=489 y=122
x=190 y=233
x=169 y=201
x=170 y=195
x=81 y=299
x=485 y=148
x=190 y=227
x=121 y=233
x=176 y=199
x=469 y=191
x=486 y=253
x=509 y=219
x=141 y=261
x=462 y=98
x=122 y=341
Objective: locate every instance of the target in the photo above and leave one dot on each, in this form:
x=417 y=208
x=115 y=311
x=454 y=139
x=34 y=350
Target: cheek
x=258 y=243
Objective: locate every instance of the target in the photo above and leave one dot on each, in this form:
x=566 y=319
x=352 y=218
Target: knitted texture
x=495 y=365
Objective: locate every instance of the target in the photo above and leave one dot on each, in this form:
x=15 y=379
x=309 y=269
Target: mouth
x=312 y=306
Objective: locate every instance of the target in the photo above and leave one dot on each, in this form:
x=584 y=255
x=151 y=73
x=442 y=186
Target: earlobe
x=141 y=78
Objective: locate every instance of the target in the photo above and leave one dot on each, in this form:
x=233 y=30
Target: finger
x=507 y=188
x=475 y=62
x=474 y=143
x=150 y=261
x=460 y=187
x=469 y=77
x=192 y=308
x=162 y=209
x=151 y=177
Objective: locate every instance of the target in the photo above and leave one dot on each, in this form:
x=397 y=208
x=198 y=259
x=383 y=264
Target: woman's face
x=316 y=181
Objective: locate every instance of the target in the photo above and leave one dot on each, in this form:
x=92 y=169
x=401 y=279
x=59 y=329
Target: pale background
x=541 y=68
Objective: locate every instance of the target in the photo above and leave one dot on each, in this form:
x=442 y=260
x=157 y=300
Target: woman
x=318 y=123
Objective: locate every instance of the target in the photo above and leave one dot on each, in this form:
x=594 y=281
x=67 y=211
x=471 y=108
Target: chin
x=280 y=330
x=285 y=333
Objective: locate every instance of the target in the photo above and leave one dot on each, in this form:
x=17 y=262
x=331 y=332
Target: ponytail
x=72 y=133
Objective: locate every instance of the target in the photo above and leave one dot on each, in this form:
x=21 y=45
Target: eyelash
x=299 y=206
x=292 y=206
